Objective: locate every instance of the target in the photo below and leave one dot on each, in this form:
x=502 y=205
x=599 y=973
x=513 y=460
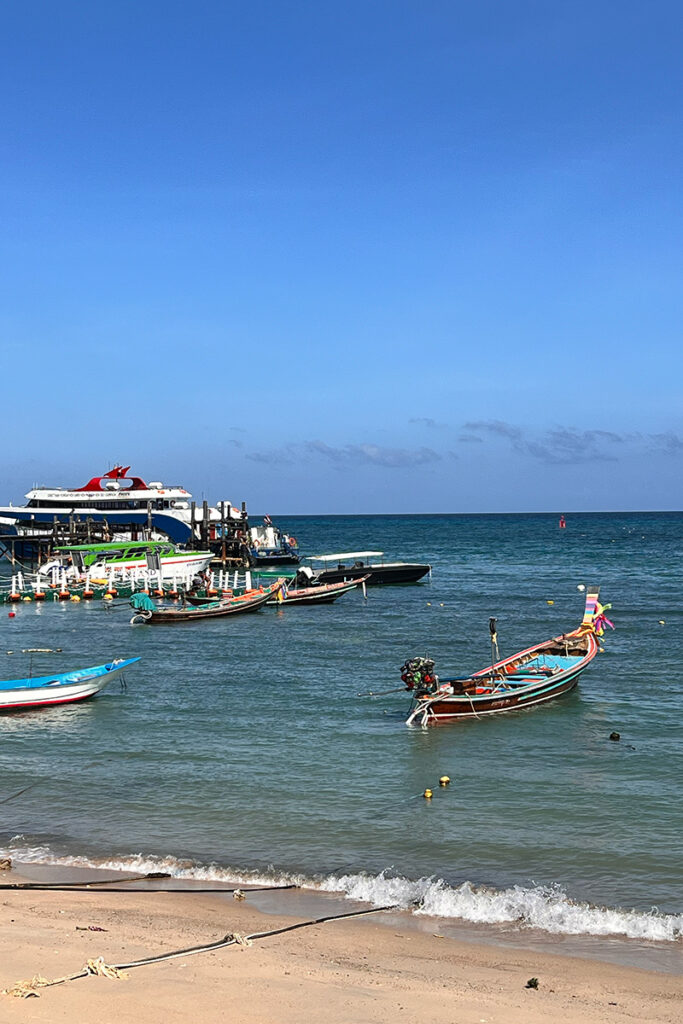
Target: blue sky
x=362 y=257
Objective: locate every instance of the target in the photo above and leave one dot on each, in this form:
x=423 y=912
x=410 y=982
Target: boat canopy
x=108 y=546
x=346 y=554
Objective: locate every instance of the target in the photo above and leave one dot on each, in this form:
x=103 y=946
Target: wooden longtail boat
x=532 y=676
x=249 y=601
x=61 y=687
x=324 y=593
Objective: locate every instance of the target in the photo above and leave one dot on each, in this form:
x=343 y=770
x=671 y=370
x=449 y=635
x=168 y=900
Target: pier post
x=205 y=524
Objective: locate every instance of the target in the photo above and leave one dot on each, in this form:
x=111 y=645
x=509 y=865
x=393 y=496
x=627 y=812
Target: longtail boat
x=323 y=593
x=533 y=676
x=61 y=687
x=249 y=601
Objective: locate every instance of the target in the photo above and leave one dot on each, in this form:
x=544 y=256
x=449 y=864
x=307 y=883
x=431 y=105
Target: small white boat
x=61 y=687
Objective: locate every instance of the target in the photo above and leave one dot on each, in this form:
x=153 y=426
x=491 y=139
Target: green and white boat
x=93 y=560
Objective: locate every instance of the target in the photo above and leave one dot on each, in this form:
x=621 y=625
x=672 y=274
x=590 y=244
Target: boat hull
x=173 y=567
x=62 y=688
x=534 y=676
x=451 y=708
x=274 y=559
x=376 y=575
x=324 y=594
x=208 y=610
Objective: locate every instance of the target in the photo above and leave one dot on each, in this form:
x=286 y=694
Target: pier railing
x=60 y=585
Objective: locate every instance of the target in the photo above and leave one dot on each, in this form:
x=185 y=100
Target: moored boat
x=532 y=676
x=60 y=687
x=148 y=613
x=94 y=560
x=324 y=593
x=352 y=565
x=269 y=546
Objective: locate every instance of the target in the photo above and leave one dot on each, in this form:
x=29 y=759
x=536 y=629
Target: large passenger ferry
x=123 y=504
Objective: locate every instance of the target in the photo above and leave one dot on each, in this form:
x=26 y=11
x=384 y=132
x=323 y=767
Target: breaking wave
x=546 y=908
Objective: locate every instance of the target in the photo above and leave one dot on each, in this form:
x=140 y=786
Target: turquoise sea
x=241 y=749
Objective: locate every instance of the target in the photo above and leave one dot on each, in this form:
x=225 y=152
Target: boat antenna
x=495 y=653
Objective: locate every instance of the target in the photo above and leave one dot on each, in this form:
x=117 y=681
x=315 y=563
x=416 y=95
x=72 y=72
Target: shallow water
x=242 y=743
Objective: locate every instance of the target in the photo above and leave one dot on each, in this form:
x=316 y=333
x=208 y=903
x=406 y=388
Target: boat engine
x=418 y=674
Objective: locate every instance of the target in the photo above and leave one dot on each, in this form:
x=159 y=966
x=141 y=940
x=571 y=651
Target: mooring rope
x=90 y=887
x=97 y=965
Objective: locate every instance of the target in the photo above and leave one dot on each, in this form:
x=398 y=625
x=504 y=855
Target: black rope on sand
x=85 y=885
x=99 y=967
x=232 y=939
x=90 y=887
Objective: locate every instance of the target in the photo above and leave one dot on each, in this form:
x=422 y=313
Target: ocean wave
x=545 y=908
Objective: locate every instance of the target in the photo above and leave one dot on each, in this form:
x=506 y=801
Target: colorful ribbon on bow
x=600 y=620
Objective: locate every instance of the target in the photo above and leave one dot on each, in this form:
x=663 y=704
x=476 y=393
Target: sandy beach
x=350 y=970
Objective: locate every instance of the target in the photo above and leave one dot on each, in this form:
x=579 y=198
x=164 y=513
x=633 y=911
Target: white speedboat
x=78 y=561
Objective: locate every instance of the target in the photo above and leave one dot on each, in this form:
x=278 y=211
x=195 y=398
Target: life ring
x=257 y=543
x=293 y=542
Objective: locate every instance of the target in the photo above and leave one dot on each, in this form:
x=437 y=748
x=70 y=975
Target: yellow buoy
x=26 y=599
x=428 y=794
x=75 y=597
x=444 y=780
x=429 y=604
x=108 y=597
x=662 y=622
x=550 y=602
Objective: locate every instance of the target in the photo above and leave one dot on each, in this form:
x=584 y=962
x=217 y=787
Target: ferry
x=122 y=504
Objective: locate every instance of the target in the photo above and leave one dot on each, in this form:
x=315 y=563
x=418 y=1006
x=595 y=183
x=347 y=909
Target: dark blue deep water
x=241 y=745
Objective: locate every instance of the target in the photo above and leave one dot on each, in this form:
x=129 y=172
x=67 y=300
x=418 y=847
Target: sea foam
x=546 y=908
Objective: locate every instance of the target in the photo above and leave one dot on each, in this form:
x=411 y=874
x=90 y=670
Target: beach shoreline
x=369 y=968
x=291 y=894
